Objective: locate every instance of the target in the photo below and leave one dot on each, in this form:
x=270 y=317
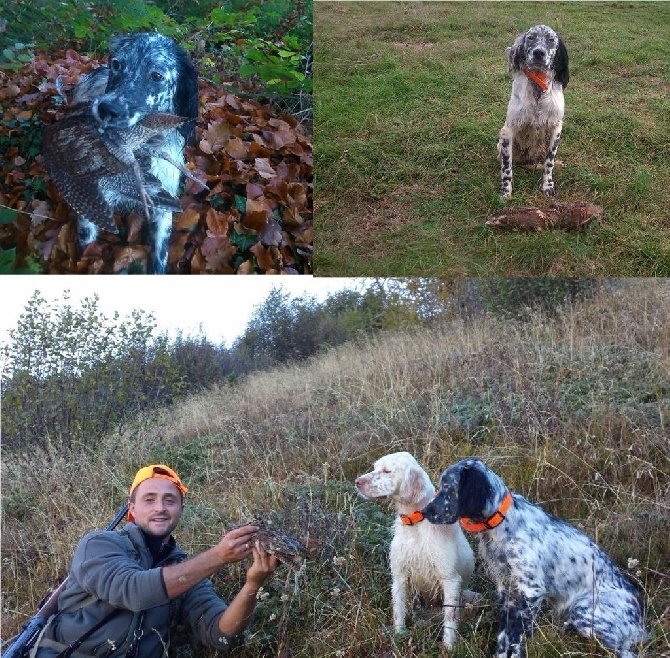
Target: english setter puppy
x=538 y=63
x=433 y=560
x=146 y=73
x=535 y=557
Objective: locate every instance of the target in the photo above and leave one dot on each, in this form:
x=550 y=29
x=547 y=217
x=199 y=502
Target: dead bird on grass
x=573 y=216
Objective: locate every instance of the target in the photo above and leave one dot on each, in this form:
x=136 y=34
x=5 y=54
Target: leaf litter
x=256 y=216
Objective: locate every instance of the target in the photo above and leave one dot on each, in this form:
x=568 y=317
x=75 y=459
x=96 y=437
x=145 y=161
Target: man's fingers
x=246 y=531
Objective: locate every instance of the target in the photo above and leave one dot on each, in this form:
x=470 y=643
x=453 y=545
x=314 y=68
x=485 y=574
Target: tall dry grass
x=572 y=412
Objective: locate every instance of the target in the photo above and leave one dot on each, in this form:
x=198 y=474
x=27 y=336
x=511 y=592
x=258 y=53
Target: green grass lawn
x=409 y=100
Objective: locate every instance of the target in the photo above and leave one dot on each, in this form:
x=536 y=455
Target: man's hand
x=236 y=616
x=236 y=544
x=233 y=547
x=262 y=567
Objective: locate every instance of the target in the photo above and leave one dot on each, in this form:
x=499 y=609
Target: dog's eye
x=156 y=76
x=115 y=64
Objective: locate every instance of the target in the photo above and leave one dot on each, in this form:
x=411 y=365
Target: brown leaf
x=305 y=237
x=271 y=234
x=134 y=224
x=186 y=220
x=237 y=149
x=297 y=195
x=256 y=216
x=264 y=168
x=45 y=248
x=254 y=191
x=215 y=137
x=246 y=268
x=219 y=261
x=257 y=149
x=217 y=223
x=291 y=218
x=124 y=257
x=264 y=256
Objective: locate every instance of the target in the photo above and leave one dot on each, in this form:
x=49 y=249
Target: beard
x=159 y=531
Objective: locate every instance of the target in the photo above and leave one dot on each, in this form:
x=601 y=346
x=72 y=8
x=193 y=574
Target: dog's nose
x=538 y=53
x=109 y=112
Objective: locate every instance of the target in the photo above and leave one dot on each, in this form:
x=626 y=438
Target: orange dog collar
x=412 y=519
x=493 y=521
x=540 y=79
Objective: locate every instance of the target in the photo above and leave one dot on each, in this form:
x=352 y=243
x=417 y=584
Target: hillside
x=573 y=412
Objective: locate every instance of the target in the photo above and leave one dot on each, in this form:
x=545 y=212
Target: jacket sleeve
x=103 y=566
x=202 y=609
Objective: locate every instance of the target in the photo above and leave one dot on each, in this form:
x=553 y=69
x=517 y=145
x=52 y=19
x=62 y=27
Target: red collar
x=540 y=79
x=493 y=521
x=412 y=519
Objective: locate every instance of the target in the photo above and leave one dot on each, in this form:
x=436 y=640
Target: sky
x=222 y=305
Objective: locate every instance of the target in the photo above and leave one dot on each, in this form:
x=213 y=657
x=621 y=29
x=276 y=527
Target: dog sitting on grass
x=534 y=557
x=428 y=559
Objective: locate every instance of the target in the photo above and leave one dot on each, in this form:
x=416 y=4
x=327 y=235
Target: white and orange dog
x=433 y=560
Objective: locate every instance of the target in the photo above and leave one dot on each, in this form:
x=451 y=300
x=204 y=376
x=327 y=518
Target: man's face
x=158 y=506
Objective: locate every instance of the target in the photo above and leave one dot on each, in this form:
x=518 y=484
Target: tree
x=73 y=373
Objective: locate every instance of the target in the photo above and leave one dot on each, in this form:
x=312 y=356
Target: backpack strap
x=73 y=646
x=70 y=650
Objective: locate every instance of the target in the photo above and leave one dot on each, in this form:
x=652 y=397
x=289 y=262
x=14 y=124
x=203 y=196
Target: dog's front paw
x=505 y=192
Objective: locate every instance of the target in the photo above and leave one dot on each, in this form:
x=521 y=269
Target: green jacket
x=113 y=570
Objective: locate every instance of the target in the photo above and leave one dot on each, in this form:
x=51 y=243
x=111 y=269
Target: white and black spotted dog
x=534 y=557
x=146 y=73
x=538 y=64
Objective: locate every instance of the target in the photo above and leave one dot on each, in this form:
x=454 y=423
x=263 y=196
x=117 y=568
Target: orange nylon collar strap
x=493 y=521
x=412 y=519
x=540 y=79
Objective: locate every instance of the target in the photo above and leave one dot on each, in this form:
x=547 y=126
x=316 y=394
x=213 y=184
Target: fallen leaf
x=237 y=149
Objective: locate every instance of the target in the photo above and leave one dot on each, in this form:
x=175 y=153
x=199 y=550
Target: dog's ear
x=562 y=74
x=117 y=42
x=474 y=489
x=515 y=53
x=186 y=96
x=412 y=487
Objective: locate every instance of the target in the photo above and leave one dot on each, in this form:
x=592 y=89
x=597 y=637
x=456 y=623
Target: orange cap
x=156 y=471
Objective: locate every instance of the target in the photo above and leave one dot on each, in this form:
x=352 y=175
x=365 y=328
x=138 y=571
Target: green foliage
x=92 y=23
x=520 y=297
x=8 y=262
x=277 y=66
x=75 y=374
x=14 y=56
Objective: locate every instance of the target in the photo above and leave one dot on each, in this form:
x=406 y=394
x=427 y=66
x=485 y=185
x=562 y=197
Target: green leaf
x=241 y=203
x=8 y=53
x=8 y=215
x=243 y=241
x=7 y=258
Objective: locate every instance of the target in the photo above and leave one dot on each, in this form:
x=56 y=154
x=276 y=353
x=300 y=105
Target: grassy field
x=409 y=101
x=573 y=413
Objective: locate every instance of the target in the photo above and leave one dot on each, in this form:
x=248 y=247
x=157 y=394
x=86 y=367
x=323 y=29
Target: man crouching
x=127 y=589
